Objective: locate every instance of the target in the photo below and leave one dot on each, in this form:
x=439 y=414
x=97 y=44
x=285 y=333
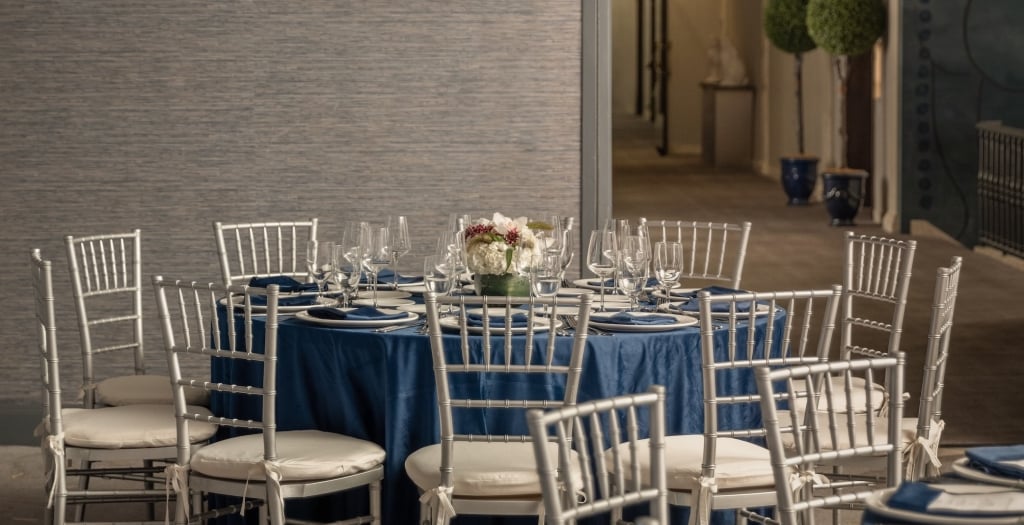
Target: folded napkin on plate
x=693 y=305
x=1007 y=461
x=363 y=313
x=388 y=277
x=477 y=319
x=286 y=300
x=610 y=283
x=633 y=319
x=285 y=283
x=957 y=500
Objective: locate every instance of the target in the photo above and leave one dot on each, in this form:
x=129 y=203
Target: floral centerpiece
x=500 y=251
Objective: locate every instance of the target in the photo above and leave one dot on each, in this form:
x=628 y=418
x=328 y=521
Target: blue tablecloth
x=380 y=387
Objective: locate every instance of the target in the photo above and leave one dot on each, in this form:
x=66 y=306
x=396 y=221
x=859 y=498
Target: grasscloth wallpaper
x=166 y=116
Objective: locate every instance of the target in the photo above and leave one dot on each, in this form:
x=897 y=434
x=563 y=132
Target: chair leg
x=78 y=514
x=375 y=503
x=151 y=506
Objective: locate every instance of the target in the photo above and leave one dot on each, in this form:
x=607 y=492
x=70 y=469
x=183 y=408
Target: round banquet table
x=380 y=387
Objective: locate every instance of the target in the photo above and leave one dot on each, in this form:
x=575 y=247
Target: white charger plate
x=384 y=301
x=262 y=308
x=878 y=503
x=540 y=324
x=762 y=309
x=359 y=323
x=682 y=321
x=384 y=294
x=962 y=467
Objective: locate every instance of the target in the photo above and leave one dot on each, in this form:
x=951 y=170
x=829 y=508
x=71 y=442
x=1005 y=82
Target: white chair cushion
x=301 y=455
x=483 y=469
x=740 y=464
x=132 y=426
x=857 y=394
x=145 y=390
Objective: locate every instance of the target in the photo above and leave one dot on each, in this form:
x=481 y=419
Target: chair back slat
x=712 y=251
x=208 y=320
x=602 y=441
x=106 y=275
x=492 y=354
x=740 y=332
x=825 y=433
x=262 y=249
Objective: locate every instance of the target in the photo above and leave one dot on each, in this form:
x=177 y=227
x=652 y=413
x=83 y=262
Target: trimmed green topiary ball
x=845 y=27
x=785 y=23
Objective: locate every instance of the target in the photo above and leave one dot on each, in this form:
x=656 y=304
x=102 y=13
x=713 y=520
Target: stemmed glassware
x=668 y=264
x=379 y=255
x=318 y=264
x=632 y=268
x=437 y=274
x=546 y=275
x=346 y=271
x=601 y=256
x=401 y=244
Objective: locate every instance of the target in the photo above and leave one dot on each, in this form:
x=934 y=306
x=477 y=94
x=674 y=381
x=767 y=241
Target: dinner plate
x=674 y=293
x=540 y=324
x=386 y=283
x=569 y=291
x=681 y=322
x=262 y=308
x=384 y=301
x=762 y=309
x=359 y=323
x=962 y=467
x=422 y=308
x=878 y=504
x=612 y=303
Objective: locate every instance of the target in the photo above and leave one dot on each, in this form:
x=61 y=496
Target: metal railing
x=1001 y=187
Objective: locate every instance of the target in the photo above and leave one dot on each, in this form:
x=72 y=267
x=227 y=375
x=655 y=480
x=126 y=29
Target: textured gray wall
x=166 y=116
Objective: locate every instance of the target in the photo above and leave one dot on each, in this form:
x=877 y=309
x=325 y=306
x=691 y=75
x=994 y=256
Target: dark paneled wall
x=963 y=62
x=166 y=116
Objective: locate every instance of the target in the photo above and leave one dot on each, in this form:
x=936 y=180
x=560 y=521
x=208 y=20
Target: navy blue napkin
x=286 y=300
x=610 y=283
x=693 y=305
x=918 y=497
x=991 y=460
x=285 y=283
x=363 y=313
x=633 y=319
x=477 y=319
x=388 y=277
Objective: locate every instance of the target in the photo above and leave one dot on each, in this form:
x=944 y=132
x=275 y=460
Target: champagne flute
x=401 y=244
x=355 y=241
x=546 y=276
x=668 y=265
x=379 y=255
x=601 y=256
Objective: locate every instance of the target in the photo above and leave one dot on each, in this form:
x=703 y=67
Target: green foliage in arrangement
x=845 y=27
x=785 y=23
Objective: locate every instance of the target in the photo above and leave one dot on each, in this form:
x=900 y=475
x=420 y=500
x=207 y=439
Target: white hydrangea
x=490 y=258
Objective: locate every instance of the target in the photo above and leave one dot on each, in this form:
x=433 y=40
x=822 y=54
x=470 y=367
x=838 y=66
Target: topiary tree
x=785 y=23
x=844 y=28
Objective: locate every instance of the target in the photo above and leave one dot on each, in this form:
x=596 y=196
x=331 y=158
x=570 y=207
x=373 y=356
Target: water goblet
x=346 y=273
x=318 y=264
x=630 y=278
x=668 y=265
x=437 y=274
x=546 y=276
x=601 y=256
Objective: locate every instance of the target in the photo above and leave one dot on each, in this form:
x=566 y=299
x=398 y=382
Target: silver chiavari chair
x=262 y=249
x=713 y=252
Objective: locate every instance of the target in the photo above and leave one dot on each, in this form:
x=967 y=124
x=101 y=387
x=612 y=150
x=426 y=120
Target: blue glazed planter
x=843 y=192
x=798 y=177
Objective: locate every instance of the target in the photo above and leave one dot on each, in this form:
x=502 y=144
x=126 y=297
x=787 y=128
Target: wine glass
x=546 y=275
x=346 y=272
x=318 y=264
x=668 y=264
x=379 y=255
x=452 y=245
x=631 y=275
x=601 y=256
x=356 y=244
x=401 y=244
x=437 y=274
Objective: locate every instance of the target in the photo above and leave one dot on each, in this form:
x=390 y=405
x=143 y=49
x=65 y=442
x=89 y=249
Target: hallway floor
x=796 y=248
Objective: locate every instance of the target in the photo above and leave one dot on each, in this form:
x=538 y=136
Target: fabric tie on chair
x=800 y=479
x=55 y=446
x=707 y=488
x=441 y=499
x=273 y=487
x=176 y=479
x=925 y=447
